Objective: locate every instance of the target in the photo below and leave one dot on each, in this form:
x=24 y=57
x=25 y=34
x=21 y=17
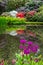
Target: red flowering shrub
x=20 y=14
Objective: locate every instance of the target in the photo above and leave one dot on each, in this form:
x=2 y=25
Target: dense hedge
x=3 y=25
x=13 y=21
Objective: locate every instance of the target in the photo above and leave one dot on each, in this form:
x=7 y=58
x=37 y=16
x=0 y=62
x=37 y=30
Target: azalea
x=27 y=51
x=20 y=15
x=28 y=46
x=32 y=13
x=22 y=41
x=21 y=46
x=30 y=42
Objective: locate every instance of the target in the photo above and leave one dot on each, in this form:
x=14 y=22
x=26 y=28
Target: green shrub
x=13 y=21
x=40 y=8
x=30 y=14
x=10 y=21
x=31 y=4
x=13 y=4
x=2 y=25
x=26 y=60
x=38 y=17
x=7 y=21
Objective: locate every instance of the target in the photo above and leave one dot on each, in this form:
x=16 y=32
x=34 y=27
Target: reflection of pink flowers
x=32 y=34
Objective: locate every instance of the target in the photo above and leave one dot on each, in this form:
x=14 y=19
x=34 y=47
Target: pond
x=9 y=45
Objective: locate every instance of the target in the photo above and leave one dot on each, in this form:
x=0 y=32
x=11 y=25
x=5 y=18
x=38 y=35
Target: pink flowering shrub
x=30 y=14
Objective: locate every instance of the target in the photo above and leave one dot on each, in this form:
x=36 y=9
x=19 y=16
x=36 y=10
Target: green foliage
x=5 y=62
x=38 y=17
x=25 y=60
x=7 y=21
x=13 y=21
x=40 y=8
x=31 y=4
x=13 y=4
x=10 y=21
x=2 y=25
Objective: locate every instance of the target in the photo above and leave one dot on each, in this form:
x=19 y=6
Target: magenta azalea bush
x=28 y=47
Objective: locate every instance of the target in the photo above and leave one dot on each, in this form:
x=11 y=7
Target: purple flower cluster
x=28 y=46
x=22 y=41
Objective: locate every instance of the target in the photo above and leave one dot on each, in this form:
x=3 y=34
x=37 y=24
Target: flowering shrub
x=28 y=46
x=30 y=15
x=25 y=57
x=35 y=16
x=20 y=15
x=38 y=17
